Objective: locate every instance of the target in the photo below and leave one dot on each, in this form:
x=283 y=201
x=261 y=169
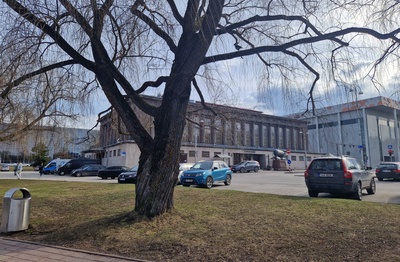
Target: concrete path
x=16 y=251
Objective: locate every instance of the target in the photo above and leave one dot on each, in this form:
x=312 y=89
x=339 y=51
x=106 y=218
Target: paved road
x=292 y=184
x=16 y=250
x=272 y=182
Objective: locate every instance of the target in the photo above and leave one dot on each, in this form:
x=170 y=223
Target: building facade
x=233 y=134
x=367 y=129
x=70 y=141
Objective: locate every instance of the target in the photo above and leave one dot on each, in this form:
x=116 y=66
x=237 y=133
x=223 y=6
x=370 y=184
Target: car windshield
x=388 y=166
x=203 y=165
x=135 y=168
x=326 y=165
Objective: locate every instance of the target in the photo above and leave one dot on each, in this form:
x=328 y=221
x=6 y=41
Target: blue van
x=54 y=165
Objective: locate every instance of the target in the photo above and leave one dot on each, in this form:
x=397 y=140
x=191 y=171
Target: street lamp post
x=357 y=91
x=305 y=147
x=195 y=145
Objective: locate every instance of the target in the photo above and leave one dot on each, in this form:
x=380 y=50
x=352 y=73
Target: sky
x=243 y=82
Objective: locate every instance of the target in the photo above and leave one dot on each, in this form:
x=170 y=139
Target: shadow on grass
x=93 y=229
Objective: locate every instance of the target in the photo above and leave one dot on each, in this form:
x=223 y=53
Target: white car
x=183 y=167
x=5 y=167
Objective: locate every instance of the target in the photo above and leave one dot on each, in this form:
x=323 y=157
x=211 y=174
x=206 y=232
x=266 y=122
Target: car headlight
x=199 y=174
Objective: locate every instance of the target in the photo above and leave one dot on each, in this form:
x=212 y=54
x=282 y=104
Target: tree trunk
x=158 y=167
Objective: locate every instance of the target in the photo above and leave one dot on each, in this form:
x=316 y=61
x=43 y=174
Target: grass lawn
x=210 y=225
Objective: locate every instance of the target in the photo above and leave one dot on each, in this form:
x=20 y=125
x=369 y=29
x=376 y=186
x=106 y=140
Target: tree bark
x=158 y=167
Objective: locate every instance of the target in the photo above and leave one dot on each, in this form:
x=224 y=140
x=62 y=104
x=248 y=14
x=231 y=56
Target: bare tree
x=127 y=49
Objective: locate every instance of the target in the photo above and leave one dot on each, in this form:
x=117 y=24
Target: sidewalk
x=16 y=250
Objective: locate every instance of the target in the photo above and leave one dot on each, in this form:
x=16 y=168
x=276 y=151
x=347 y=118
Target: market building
x=234 y=134
x=367 y=129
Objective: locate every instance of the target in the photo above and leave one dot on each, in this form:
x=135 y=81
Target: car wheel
x=209 y=182
x=113 y=177
x=61 y=173
x=103 y=177
x=357 y=195
x=380 y=178
x=372 y=189
x=234 y=171
x=256 y=169
x=228 y=180
x=78 y=174
x=313 y=193
x=242 y=170
x=186 y=185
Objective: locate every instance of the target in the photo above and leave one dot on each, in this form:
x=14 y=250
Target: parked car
x=206 y=173
x=388 y=170
x=5 y=167
x=337 y=175
x=112 y=171
x=183 y=167
x=129 y=176
x=87 y=170
x=74 y=164
x=246 y=166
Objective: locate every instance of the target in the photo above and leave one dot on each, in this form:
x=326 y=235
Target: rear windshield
x=388 y=166
x=326 y=165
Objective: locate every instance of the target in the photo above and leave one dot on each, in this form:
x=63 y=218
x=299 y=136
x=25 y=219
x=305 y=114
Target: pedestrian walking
x=18 y=171
x=41 y=169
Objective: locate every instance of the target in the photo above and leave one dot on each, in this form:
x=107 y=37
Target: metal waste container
x=16 y=211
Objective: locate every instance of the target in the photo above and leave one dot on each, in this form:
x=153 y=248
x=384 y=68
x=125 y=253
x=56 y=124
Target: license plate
x=326 y=175
x=122 y=179
x=386 y=171
x=189 y=180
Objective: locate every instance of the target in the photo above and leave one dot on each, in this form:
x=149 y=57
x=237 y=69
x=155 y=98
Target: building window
x=207 y=131
x=288 y=138
x=280 y=138
x=273 y=137
x=247 y=141
x=238 y=134
x=115 y=152
x=265 y=136
x=119 y=152
x=301 y=158
x=256 y=135
x=293 y=158
x=185 y=135
x=205 y=153
x=229 y=133
x=192 y=153
x=218 y=131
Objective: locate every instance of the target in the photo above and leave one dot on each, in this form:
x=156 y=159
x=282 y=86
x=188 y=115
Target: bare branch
x=157 y=83
x=154 y=27
x=203 y=102
x=32 y=74
x=29 y=16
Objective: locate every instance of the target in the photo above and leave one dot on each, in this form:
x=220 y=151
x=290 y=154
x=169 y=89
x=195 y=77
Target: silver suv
x=338 y=175
x=246 y=166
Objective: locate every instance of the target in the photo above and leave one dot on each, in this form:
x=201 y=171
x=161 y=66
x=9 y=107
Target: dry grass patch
x=211 y=225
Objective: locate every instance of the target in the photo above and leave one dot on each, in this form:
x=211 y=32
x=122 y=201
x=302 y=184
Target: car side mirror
x=215 y=168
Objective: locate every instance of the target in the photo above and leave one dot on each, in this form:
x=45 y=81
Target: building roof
x=379 y=103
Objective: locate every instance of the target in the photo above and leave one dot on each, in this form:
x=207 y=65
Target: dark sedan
x=128 y=177
x=112 y=171
x=87 y=170
x=388 y=170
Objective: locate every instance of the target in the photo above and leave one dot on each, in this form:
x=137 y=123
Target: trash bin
x=16 y=211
